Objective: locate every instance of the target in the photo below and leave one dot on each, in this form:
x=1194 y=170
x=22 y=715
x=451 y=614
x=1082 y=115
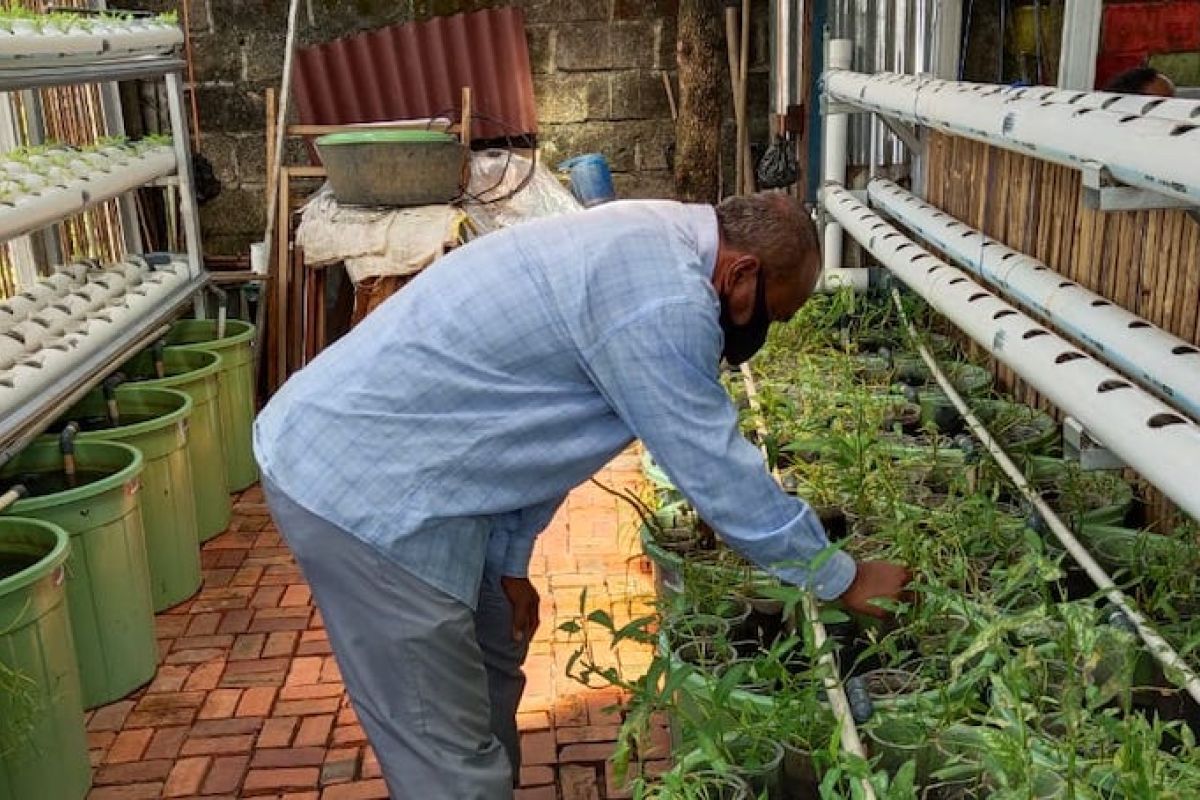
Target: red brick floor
x=248 y=701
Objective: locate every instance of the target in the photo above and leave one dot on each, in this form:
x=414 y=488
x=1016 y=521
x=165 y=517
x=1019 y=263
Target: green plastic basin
x=235 y=381
x=108 y=578
x=196 y=374
x=43 y=744
x=168 y=500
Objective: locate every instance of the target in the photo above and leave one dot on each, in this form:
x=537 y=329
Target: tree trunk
x=701 y=56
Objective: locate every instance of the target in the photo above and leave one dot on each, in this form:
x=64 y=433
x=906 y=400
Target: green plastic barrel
x=43 y=744
x=108 y=578
x=155 y=421
x=236 y=380
x=194 y=372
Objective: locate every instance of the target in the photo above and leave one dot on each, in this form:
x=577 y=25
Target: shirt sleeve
x=658 y=371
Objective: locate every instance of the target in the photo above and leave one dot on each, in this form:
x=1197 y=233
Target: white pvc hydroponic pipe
x=1150 y=436
x=1163 y=363
x=1148 y=152
x=833 y=167
x=1159 y=648
x=1176 y=108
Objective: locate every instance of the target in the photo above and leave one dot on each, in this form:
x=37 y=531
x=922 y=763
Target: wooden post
x=281 y=260
x=465 y=134
x=270 y=110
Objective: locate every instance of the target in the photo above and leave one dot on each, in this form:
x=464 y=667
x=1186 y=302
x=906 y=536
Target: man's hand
x=525 y=602
x=875 y=580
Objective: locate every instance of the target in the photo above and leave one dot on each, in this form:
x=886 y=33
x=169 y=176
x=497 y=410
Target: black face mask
x=743 y=341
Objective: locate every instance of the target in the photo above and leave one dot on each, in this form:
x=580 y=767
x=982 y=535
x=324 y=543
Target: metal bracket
x=1078 y=445
x=905 y=133
x=838 y=107
x=1102 y=192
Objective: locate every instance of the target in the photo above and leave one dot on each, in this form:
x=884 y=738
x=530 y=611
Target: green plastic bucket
x=108 y=579
x=236 y=385
x=168 y=501
x=195 y=373
x=43 y=744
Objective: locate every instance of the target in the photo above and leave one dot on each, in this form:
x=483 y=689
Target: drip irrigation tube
x=851 y=741
x=1163 y=363
x=1151 y=437
x=1159 y=647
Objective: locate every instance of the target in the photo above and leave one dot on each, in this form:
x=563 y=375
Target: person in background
x=1142 y=80
x=411 y=465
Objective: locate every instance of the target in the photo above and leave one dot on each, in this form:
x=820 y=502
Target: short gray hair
x=772 y=226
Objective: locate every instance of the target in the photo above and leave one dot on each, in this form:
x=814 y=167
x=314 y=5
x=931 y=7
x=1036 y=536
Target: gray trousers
x=435 y=685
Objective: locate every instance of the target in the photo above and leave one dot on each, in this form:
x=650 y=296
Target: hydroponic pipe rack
x=1148 y=152
x=64 y=334
x=1150 y=436
x=1163 y=363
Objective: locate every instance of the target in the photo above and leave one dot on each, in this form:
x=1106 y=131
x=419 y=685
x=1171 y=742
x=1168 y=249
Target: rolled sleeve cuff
x=830 y=581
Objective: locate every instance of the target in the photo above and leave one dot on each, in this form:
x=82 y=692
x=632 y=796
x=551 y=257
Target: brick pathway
x=248 y=700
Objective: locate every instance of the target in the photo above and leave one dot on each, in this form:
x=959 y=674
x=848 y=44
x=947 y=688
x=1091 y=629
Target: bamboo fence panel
x=1145 y=261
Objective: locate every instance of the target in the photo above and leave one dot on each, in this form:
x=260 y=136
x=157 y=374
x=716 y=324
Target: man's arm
x=658 y=370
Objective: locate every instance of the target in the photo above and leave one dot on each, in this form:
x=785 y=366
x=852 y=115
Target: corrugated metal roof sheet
x=418 y=69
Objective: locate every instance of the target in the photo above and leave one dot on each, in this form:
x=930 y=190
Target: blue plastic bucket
x=591 y=180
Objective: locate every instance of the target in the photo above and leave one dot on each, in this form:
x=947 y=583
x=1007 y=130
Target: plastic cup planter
x=155 y=421
x=61 y=39
x=108 y=579
x=43 y=744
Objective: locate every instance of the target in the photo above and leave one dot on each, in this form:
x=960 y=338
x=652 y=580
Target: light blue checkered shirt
x=448 y=426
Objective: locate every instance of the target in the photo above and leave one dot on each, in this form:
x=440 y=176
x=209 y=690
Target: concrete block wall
x=597 y=66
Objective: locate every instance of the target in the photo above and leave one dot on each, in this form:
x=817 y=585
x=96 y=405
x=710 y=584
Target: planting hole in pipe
x=977 y=296
x=1007 y=256
x=1137 y=323
x=1070 y=355
x=1184 y=350
x=1065 y=285
x=1128 y=118
x=1040 y=268
x=933 y=269
x=957 y=281
x=1100 y=303
x=1008 y=312
x=1163 y=420
x=1179 y=130
x=1153 y=104
x=1111 y=385
x=1033 y=334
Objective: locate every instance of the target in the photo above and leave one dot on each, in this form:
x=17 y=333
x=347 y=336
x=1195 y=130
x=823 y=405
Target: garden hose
x=109 y=389
x=66 y=445
x=12 y=494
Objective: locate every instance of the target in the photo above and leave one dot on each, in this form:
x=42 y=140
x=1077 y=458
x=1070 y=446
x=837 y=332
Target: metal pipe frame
x=1148 y=152
x=1160 y=361
x=1154 y=439
x=1158 y=647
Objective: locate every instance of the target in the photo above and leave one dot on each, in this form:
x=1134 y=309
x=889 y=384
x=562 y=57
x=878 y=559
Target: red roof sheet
x=418 y=69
